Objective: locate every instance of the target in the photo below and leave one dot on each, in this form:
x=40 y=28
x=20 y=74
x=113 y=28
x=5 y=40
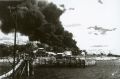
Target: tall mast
x=15 y=30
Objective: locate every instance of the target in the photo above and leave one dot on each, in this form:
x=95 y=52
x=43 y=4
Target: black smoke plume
x=38 y=20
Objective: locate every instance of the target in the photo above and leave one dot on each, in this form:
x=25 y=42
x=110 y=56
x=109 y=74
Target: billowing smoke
x=40 y=21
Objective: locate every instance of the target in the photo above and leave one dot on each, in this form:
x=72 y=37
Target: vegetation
x=112 y=55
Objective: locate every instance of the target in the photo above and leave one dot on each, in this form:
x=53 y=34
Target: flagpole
x=14 y=53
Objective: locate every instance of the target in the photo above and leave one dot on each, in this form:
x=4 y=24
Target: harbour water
x=4 y=67
x=103 y=70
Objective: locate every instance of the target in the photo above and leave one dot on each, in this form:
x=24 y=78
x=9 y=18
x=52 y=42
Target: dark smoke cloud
x=99 y=46
x=100 y=1
x=101 y=30
x=38 y=20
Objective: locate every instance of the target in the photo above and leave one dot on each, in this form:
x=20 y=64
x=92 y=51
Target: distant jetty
x=64 y=62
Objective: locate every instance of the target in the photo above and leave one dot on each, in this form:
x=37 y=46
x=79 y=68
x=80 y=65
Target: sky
x=9 y=38
x=95 y=24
